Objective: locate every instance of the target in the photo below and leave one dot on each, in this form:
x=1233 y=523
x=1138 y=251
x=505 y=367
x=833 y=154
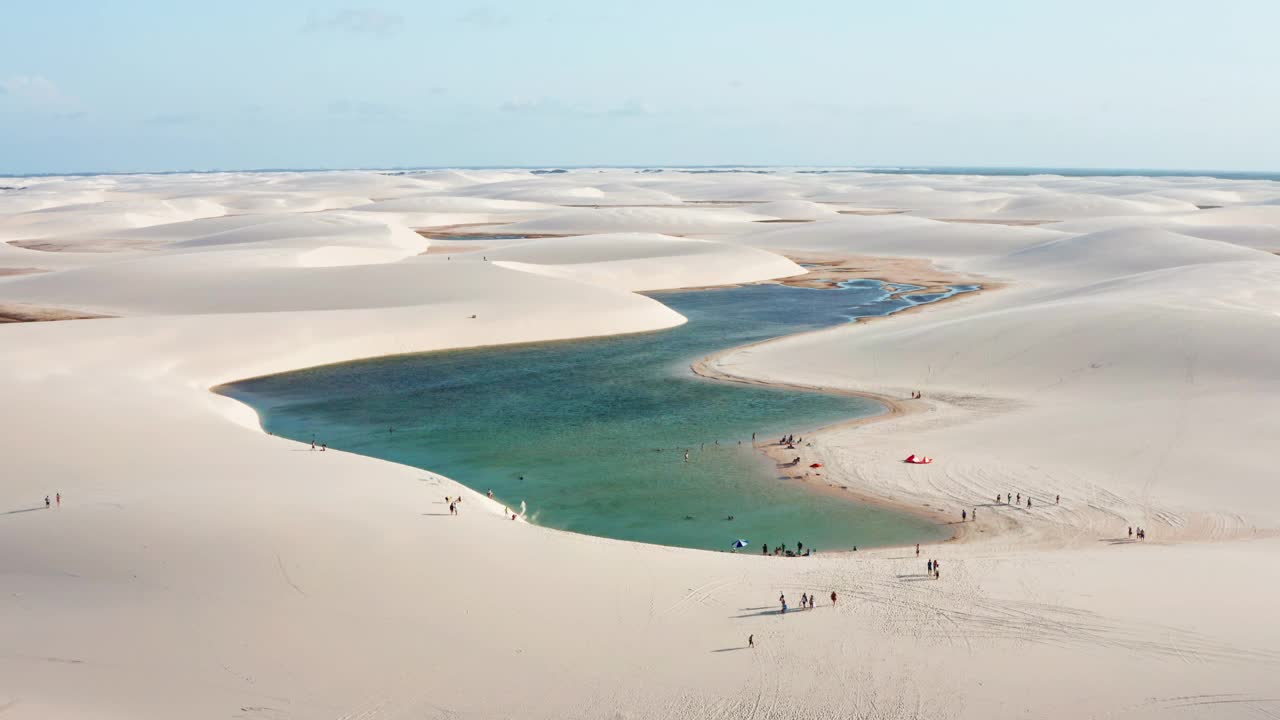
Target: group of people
x=1009 y=499
x=932 y=568
x=453 y=503
x=915 y=395
x=790 y=441
x=1141 y=533
x=323 y=446
x=807 y=601
x=57 y=498
x=782 y=551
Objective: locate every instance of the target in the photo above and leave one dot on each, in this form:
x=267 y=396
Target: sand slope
x=199 y=568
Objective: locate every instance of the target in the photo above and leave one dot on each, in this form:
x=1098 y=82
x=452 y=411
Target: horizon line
x=908 y=168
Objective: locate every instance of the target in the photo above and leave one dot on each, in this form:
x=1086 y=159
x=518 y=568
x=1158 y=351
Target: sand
x=199 y=568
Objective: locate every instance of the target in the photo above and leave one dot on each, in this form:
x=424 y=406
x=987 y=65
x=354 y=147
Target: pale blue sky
x=150 y=85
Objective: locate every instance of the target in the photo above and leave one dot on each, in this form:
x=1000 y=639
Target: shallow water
x=592 y=433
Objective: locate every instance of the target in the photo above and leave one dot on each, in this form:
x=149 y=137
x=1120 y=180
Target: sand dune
x=198 y=567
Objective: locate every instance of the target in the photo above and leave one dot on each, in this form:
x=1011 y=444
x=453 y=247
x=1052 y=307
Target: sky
x=142 y=85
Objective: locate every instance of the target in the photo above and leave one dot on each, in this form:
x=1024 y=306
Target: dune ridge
x=198 y=567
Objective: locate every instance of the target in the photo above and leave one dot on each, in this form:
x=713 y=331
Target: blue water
x=591 y=434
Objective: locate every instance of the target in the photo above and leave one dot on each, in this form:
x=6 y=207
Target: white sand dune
x=644 y=261
x=199 y=568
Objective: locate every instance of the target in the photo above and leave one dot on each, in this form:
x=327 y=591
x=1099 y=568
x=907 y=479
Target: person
x=753 y=438
x=799 y=546
x=833 y=597
x=58 y=498
x=313 y=443
x=1019 y=498
x=804 y=600
x=751 y=641
x=46 y=502
x=964 y=516
x=1130 y=532
x=936 y=575
x=324 y=446
x=764 y=548
x=1028 y=501
x=997 y=498
x=1057 y=499
x=929 y=567
x=453 y=508
x=686 y=456
x=784 y=607
x=917 y=549
x=973 y=515
x=490 y=493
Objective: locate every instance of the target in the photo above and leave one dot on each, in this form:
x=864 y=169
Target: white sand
x=199 y=568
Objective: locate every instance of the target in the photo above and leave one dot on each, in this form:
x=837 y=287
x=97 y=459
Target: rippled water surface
x=592 y=434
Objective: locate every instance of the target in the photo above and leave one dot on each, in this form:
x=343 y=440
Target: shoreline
x=900 y=270
x=890 y=270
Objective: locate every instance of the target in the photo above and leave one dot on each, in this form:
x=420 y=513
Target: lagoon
x=591 y=434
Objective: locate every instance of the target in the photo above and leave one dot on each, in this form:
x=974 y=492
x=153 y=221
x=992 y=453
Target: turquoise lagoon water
x=591 y=434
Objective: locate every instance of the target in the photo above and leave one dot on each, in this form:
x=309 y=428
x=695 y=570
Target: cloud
x=173 y=119
x=552 y=106
x=364 y=109
x=37 y=92
x=630 y=108
x=484 y=16
x=357 y=21
x=535 y=106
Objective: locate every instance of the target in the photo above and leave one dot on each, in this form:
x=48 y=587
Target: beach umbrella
x=740 y=543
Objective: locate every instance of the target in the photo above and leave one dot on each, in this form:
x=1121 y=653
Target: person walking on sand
x=453 y=508
x=804 y=600
x=917 y=549
x=1057 y=499
x=1019 y=498
x=1028 y=501
x=833 y=597
x=46 y=502
x=58 y=498
x=1130 y=532
x=964 y=516
x=751 y=641
x=929 y=567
